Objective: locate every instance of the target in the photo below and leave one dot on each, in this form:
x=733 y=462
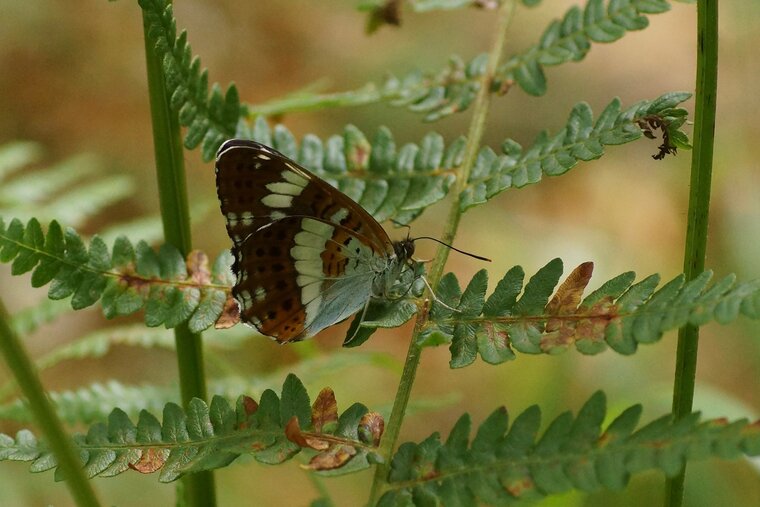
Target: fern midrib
x=236 y=437
x=113 y=274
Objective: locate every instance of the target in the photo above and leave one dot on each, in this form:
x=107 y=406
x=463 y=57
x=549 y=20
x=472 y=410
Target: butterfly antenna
x=408 y=227
x=479 y=257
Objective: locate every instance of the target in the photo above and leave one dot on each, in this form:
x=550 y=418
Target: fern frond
x=85 y=201
x=29 y=319
x=399 y=183
x=388 y=181
x=149 y=227
x=503 y=463
x=582 y=139
x=211 y=436
x=172 y=289
x=86 y=405
x=452 y=89
x=49 y=193
x=16 y=155
x=92 y=403
x=210 y=117
x=619 y=314
x=99 y=343
x=570 y=39
x=39 y=186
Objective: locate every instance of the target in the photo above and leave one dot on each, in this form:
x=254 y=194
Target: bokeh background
x=73 y=80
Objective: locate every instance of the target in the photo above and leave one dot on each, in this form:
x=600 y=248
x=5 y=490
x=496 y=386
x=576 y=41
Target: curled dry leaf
x=336 y=457
x=230 y=314
x=324 y=411
x=568 y=295
x=371 y=428
x=560 y=330
x=295 y=435
x=293 y=432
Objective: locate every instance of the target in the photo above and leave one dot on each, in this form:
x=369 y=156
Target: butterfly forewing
x=305 y=254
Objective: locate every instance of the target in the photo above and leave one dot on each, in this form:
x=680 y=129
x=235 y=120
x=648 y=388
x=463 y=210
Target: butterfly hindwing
x=293 y=279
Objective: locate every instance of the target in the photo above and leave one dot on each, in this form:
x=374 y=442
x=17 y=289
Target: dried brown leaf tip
x=371 y=428
x=324 y=415
x=151 y=459
x=197 y=268
x=388 y=13
x=293 y=432
x=335 y=457
x=568 y=295
x=230 y=314
x=250 y=405
x=569 y=321
x=651 y=123
x=324 y=411
x=295 y=435
x=560 y=328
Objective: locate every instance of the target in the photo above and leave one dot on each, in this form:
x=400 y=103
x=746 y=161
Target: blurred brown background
x=74 y=80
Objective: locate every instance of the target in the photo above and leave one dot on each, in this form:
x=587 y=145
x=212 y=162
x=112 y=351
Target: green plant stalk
x=414 y=353
x=699 y=204
x=44 y=414
x=198 y=489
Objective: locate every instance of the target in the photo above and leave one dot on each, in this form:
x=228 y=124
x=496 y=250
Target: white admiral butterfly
x=306 y=255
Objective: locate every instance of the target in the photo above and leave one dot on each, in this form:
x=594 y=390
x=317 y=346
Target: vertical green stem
x=44 y=414
x=414 y=353
x=199 y=489
x=699 y=202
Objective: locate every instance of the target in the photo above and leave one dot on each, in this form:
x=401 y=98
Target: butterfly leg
x=361 y=319
x=435 y=298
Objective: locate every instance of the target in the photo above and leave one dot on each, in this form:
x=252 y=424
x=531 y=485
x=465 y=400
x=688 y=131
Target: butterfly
x=306 y=256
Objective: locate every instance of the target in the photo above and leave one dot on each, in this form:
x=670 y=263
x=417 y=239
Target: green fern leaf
x=619 y=314
x=388 y=183
x=582 y=139
x=453 y=88
x=204 y=436
x=399 y=183
x=504 y=464
x=58 y=191
x=570 y=38
x=125 y=281
x=210 y=116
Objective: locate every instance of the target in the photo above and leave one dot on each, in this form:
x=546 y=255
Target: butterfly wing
x=305 y=254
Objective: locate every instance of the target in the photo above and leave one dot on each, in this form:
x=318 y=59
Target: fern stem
x=414 y=353
x=44 y=414
x=699 y=203
x=198 y=489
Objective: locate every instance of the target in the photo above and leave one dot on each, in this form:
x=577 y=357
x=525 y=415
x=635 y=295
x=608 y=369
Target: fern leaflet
x=619 y=314
x=505 y=463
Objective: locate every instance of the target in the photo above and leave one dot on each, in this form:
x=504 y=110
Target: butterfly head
x=404 y=249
